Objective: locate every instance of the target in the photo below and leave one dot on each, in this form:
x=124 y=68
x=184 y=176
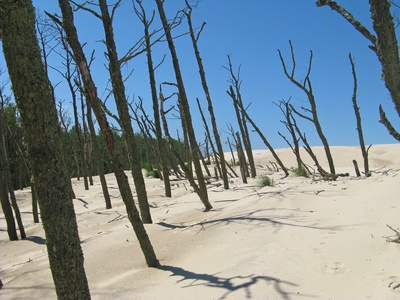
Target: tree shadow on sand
x=242 y=282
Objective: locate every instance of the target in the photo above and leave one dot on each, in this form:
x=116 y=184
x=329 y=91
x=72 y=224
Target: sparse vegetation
x=153 y=173
x=264 y=180
x=301 y=171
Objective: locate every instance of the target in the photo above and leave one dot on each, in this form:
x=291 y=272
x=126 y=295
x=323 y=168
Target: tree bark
x=162 y=149
x=278 y=160
x=7 y=210
x=39 y=118
x=364 y=151
x=221 y=163
x=123 y=112
x=185 y=106
x=91 y=96
x=308 y=91
x=98 y=158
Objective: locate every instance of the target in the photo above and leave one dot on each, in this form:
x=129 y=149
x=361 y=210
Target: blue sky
x=251 y=32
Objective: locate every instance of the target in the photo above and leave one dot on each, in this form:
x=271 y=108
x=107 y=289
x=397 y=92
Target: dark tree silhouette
x=306 y=87
x=364 y=150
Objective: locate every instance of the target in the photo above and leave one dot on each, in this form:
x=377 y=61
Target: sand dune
x=301 y=239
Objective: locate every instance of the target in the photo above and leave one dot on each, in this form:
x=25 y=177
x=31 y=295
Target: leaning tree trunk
x=98 y=158
x=7 y=210
x=91 y=94
x=123 y=112
x=162 y=150
x=221 y=162
x=5 y=169
x=35 y=102
x=307 y=89
x=185 y=107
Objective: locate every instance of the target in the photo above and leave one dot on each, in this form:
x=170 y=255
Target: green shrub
x=145 y=165
x=153 y=173
x=300 y=171
x=265 y=181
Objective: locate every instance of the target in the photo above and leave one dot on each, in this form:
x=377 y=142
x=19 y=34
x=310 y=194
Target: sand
x=303 y=238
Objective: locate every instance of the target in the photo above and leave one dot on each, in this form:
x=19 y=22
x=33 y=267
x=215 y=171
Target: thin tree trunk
x=123 y=112
x=98 y=158
x=358 y=118
x=91 y=94
x=42 y=135
x=220 y=164
x=156 y=110
x=185 y=106
x=278 y=160
x=7 y=210
x=308 y=91
x=242 y=161
x=5 y=169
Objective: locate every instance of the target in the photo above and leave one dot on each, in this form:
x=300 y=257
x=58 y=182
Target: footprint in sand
x=335 y=268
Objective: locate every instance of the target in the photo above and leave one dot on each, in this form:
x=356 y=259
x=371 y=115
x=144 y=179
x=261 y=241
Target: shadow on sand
x=228 y=284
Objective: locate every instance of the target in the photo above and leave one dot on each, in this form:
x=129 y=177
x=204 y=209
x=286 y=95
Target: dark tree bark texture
x=91 y=96
x=39 y=119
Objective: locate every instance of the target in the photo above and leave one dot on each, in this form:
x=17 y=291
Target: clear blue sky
x=251 y=32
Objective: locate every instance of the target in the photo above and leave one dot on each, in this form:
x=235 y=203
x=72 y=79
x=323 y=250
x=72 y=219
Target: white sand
x=301 y=239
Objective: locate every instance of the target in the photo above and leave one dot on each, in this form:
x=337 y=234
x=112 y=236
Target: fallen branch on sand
x=396 y=239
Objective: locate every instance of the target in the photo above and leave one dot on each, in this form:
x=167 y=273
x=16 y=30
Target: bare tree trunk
x=91 y=94
x=308 y=91
x=236 y=82
x=308 y=148
x=5 y=169
x=385 y=45
x=364 y=151
x=36 y=104
x=98 y=158
x=156 y=110
x=242 y=161
x=278 y=160
x=188 y=173
x=217 y=160
x=123 y=112
x=185 y=106
x=221 y=163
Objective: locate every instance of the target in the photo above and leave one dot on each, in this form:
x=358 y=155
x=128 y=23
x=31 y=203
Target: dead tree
x=308 y=148
x=5 y=167
x=98 y=158
x=123 y=110
x=91 y=96
x=364 y=150
x=220 y=163
x=236 y=83
x=36 y=104
x=188 y=173
x=208 y=138
x=156 y=110
x=242 y=160
x=244 y=112
x=384 y=44
x=284 y=106
x=307 y=89
x=184 y=103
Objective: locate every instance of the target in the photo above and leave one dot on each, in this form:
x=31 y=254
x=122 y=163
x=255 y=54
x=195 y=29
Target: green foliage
x=153 y=173
x=264 y=180
x=300 y=171
x=145 y=165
